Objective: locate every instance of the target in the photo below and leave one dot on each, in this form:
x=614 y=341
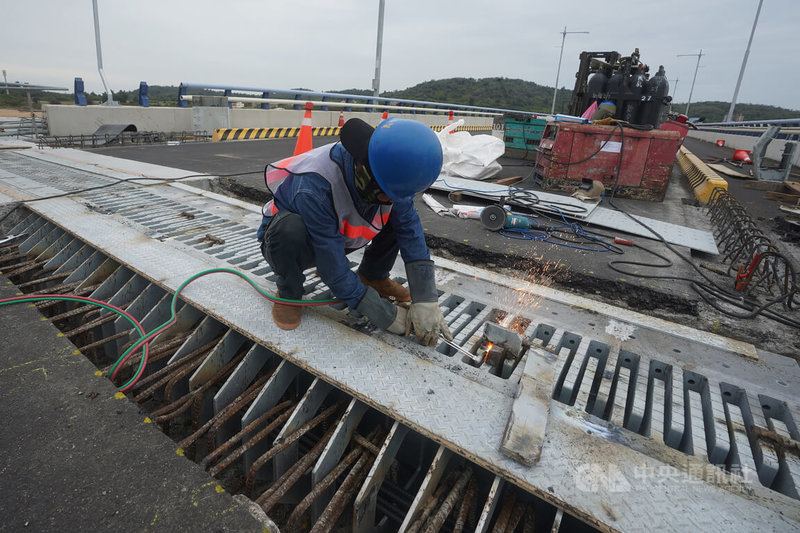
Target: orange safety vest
x=356 y=229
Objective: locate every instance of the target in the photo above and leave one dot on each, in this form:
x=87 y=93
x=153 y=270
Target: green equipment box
x=522 y=136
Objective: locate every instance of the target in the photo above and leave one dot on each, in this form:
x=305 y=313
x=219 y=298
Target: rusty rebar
x=366 y=443
x=73 y=312
x=283 y=484
x=466 y=504
x=93 y=324
x=4 y=258
x=179 y=408
x=170 y=368
x=345 y=493
x=516 y=516
x=225 y=463
x=416 y=525
x=65 y=289
x=31 y=283
x=225 y=446
x=106 y=340
x=21 y=268
x=435 y=522
x=530 y=519
x=211 y=436
x=193 y=396
x=286 y=442
x=236 y=405
x=505 y=513
x=157 y=352
x=327 y=481
x=181 y=373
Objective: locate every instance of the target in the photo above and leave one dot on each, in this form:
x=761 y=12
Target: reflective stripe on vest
x=356 y=230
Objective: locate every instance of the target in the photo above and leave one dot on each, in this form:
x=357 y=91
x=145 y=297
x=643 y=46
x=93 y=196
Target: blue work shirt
x=309 y=196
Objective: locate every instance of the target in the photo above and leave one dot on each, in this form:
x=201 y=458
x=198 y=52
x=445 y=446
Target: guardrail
x=22 y=127
x=298 y=97
x=790 y=128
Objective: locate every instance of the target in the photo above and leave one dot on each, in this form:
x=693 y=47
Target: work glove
x=379 y=311
x=398 y=327
x=425 y=320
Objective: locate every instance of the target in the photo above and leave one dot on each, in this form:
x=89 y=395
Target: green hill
x=503 y=93
x=716 y=111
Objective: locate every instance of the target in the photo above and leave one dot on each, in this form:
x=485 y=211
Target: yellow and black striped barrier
x=464 y=128
x=245 y=134
x=702 y=178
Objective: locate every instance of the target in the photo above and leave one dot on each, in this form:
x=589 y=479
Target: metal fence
x=22 y=127
x=126 y=138
x=326 y=100
x=790 y=128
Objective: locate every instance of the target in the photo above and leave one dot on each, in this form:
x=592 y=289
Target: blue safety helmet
x=405 y=157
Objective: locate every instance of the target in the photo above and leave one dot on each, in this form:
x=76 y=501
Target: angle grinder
x=495 y=218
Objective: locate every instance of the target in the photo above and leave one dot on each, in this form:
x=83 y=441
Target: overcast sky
x=330 y=45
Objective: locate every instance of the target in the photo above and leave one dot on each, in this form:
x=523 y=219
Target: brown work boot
x=388 y=288
x=286 y=316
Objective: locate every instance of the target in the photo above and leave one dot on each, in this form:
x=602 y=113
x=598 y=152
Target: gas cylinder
x=614 y=89
x=657 y=91
x=633 y=96
x=595 y=89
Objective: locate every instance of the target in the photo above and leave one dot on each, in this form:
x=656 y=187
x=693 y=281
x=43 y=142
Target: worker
x=343 y=196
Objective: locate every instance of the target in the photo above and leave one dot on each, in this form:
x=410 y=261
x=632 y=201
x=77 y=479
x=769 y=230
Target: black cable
x=158 y=181
x=599 y=149
x=710 y=287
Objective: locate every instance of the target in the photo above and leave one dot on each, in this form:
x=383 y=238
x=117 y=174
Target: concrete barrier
x=80 y=120
x=84 y=120
x=744 y=142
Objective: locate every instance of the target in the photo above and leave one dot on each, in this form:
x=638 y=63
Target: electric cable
x=551 y=235
x=173 y=314
x=145 y=338
x=710 y=288
x=599 y=149
x=120 y=181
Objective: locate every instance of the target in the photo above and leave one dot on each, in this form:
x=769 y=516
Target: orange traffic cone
x=385 y=115
x=341 y=118
x=304 y=139
x=449 y=120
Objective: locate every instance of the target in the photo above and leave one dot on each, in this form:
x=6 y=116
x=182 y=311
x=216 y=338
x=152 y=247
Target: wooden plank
x=524 y=434
x=723 y=169
x=764 y=185
x=792 y=186
x=793 y=199
x=511 y=180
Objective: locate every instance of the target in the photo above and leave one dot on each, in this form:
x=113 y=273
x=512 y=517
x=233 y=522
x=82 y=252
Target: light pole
x=558 y=72
x=674 y=92
x=110 y=100
x=691 y=91
x=376 y=82
x=729 y=117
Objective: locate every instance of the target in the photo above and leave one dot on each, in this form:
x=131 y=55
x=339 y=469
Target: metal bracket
x=781 y=172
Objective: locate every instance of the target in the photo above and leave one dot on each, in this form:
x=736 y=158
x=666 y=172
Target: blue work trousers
x=288 y=250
